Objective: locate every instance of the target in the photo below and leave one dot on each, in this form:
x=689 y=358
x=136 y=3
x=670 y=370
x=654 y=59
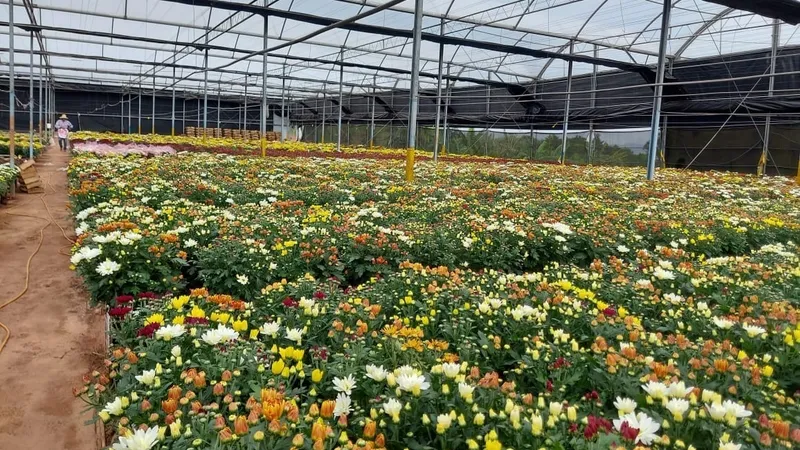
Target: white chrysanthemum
x=294 y=335
x=115 y=407
x=270 y=328
x=655 y=389
x=346 y=384
x=377 y=373
x=733 y=409
x=220 y=335
x=406 y=370
x=716 y=411
x=753 y=330
x=242 y=279
x=647 y=427
x=679 y=390
x=412 y=383
x=86 y=213
x=560 y=227
x=132 y=236
x=189 y=243
x=625 y=406
x=138 y=440
x=76 y=258
x=725 y=324
x=342 y=407
x=729 y=446
x=90 y=253
x=623 y=249
x=170 y=332
x=451 y=370
x=677 y=406
x=662 y=274
x=392 y=407
x=465 y=390
x=107 y=267
x=147 y=378
x=100 y=239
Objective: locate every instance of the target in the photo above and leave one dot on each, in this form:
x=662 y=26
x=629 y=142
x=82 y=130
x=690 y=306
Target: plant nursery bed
x=322 y=303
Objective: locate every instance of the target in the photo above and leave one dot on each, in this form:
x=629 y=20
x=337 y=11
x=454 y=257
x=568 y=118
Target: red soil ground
x=55 y=338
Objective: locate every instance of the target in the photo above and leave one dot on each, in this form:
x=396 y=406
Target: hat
x=63 y=116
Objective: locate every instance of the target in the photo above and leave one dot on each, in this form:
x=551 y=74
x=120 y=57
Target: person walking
x=63 y=126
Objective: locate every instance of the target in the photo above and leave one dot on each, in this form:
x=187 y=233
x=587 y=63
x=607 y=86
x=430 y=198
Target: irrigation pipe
x=24 y=290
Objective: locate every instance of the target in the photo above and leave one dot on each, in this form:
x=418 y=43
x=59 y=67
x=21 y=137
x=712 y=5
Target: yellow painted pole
x=410 y=165
x=762 y=164
x=263 y=146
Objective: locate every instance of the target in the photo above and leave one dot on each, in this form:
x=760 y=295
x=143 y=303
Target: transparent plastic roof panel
x=122 y=43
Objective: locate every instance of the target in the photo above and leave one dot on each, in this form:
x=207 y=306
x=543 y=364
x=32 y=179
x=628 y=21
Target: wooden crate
x=29 y=180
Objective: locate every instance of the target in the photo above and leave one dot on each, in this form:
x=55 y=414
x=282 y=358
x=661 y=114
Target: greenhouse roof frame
x=511 y=19
x=485 y=44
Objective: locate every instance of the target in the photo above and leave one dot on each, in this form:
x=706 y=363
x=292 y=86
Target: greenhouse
x=400 y=224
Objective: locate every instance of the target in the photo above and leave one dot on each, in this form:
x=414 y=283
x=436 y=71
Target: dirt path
x=55 y=338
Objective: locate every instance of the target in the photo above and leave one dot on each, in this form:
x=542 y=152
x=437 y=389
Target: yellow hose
x=50 y=221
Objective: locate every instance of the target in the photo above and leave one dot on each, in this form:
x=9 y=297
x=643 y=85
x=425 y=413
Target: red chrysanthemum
x=195 y=321
x=148 y=330
x=119 y=312
x=124 y=299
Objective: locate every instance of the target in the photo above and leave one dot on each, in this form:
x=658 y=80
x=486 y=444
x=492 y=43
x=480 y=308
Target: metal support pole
x=11 y=99
x=413 y=108
x=172 y=118
x=339 y=126
x=324 y=100
x=205 y=92
x=264 y=111
x=566 y=107
x=219 y=107
x=153 y=118
x=183 y=117
x=122 y=114
x=663 y=151
x=439 y=95
x=776 y=36
x=592 y=104
x=30 y=105
x=130 y=114
x=41 y=125
x=445 y=133
x=244 y=119
x=55 y=105
x=488 y=111
x=372 y=114
x=46 y=111
x=656 y=119
x=414 y=94
x=533 y=136
x=283 y=105
x=533 y=143
x=140 y=106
